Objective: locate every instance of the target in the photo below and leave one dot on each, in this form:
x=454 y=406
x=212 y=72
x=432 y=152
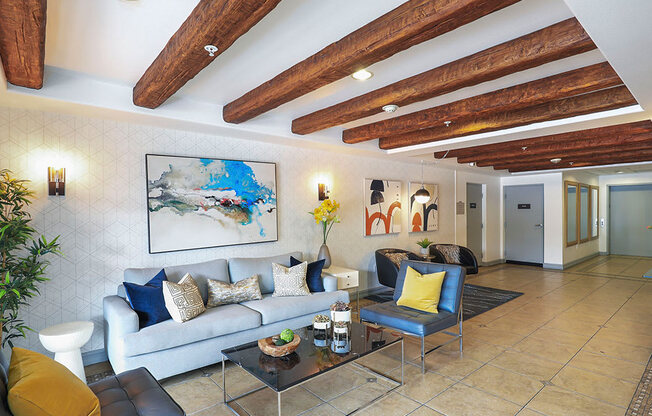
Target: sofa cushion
x=274 y=309
x=406 y=319
x=242 y=268
x=134 y=393
x=214 y=322
x=214 y=269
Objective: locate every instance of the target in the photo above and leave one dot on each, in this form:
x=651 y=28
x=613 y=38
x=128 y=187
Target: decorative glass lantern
x=321 y=325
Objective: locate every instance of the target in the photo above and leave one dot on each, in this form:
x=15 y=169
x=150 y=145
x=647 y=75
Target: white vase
x=424 y=251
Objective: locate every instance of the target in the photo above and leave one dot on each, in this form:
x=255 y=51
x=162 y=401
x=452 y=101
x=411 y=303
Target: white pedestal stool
x=65 y=341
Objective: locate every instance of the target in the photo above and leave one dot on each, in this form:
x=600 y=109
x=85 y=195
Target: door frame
x=607 y=211
x=484 y=217
x=543 y=213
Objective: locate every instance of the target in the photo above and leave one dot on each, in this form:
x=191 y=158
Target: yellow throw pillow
x=40 y=386
x=421 y=292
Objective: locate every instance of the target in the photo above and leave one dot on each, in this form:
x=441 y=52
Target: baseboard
x=578 y=261
x=603 y=253
x=553 y=266
x=492 y=262
x=94 y=357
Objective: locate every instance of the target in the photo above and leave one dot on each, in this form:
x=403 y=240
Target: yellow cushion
x=421 y=292
x=40 y=386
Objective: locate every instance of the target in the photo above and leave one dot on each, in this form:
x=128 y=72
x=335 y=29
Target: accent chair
x=388 y=261
x=420 y=324
x=445 y=253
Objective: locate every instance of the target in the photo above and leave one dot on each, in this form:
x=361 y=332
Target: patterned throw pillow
x=222 y=293
x=290 y=281
x=396 y=257
x=183 y=299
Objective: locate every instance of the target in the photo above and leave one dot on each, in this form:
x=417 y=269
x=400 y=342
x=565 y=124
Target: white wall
x=606 y=181
x=102 y=219
x=553 y=203
x=589 y=248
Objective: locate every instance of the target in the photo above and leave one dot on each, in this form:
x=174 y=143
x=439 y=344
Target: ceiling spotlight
x=472 y=164
x=362 y=75
x=447 y=123
x=211 y=49
x=524 y=148
x=555 y=160
x=570 y=163
x=390 y=108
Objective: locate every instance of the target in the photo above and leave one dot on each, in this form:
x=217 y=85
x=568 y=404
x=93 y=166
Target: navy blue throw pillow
x=313 y=276
x=147 y=300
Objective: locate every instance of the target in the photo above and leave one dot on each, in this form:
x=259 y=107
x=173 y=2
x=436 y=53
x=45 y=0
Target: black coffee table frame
x=351 y=361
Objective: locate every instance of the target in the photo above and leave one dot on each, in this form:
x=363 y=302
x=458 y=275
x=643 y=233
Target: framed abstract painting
x=424 y=217
x=195 y=203
x=382 y=207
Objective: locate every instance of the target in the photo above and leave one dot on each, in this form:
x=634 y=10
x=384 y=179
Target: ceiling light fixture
x=390 y=108
x=524 y=148
x=472 y=164
x=447 y=123
x=362 y=75
x=555 y=160
x=211 y=49
x=422 y=195
x=620 y=171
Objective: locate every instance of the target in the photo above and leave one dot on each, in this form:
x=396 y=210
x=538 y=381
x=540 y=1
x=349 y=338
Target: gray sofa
x=169 y=348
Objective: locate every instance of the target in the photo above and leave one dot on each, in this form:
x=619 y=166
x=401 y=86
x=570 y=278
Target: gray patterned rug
x=475 y=299
x=641 y=404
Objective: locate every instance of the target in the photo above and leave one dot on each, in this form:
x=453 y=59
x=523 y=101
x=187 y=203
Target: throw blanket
x=451 y=253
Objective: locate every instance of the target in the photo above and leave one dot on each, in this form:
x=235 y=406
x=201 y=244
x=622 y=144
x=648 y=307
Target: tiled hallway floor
x=576 y=343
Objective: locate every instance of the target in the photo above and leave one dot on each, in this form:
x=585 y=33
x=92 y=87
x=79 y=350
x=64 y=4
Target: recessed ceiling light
x=472 y=164
x=390 y=108
x=620 y=171
x=362 y=75
x=555 y=160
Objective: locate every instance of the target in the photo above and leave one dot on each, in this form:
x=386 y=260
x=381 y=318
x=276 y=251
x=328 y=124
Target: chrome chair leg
x=423 y=354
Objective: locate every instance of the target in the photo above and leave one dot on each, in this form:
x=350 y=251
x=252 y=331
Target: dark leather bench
x=132 y=393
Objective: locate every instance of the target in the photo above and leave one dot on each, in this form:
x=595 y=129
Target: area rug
x=475 y=299
x=641 y=404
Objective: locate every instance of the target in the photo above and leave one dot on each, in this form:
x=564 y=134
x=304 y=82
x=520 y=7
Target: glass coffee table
x=312 y=358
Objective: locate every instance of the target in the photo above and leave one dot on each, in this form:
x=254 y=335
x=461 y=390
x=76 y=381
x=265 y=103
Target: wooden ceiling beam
x=553 y=149
x=22 y=41
x=575 y=155
x=411 y=23
x=634 y=128
x=212 y=22
x=606 y=160
x=555 y=42
x=567 y=84
x=603 y=100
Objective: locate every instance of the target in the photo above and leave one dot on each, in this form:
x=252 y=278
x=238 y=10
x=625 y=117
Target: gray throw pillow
x=290 y=281
x=222 y=293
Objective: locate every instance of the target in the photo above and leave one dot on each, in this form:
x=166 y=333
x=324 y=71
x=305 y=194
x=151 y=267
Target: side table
x=347 y=279
x=65 y=341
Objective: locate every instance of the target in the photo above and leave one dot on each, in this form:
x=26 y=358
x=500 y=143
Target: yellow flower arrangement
x=326 y=215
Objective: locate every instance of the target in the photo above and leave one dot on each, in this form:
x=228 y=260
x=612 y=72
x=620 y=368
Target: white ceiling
x=97 y=50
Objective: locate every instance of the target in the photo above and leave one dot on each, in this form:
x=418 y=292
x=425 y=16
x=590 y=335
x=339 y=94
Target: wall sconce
x=324 y=191
x=56 y=181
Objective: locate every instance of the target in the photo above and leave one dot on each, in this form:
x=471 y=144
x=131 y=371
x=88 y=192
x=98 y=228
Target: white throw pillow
x=290 y=281
x=183 y=300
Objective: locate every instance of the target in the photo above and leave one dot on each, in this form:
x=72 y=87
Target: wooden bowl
x=268 y=347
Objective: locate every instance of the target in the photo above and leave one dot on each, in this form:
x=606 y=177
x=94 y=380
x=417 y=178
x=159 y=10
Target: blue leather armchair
x=417 y=323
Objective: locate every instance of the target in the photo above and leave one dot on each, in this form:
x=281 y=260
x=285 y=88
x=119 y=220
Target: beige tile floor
x=575 y=343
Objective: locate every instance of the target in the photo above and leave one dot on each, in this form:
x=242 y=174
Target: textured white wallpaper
x=102 y=219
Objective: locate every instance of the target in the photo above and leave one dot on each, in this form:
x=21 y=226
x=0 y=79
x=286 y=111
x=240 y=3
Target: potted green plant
x=22 y=255
x=424 y=244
